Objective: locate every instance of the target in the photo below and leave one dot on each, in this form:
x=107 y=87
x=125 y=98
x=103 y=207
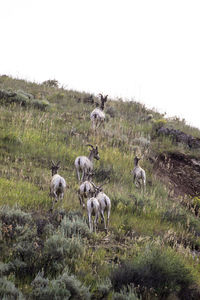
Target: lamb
x=97 y=116
x=93 y=209
x=58 y=183
x=86 y=189
x=85 y=164
x=104 y=204
x=139 y=174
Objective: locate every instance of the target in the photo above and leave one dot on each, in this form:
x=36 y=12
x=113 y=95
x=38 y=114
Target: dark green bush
x=40 y=104
x=156 y=269
x=4 y=269
x=23 y=99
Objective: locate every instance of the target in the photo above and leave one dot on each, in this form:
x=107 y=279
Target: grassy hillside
x=152 y=248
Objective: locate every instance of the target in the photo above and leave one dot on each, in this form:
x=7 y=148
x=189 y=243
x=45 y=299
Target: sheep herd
x=98 y=202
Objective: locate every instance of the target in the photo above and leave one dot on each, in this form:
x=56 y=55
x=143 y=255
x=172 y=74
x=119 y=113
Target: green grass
x=30 y=139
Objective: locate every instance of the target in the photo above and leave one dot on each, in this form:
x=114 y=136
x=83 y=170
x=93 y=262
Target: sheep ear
x=58 y=163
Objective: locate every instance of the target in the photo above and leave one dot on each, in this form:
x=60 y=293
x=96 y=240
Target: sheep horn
x=90 y=145
x=53 y=163
x=104 y=183
x=96 y=187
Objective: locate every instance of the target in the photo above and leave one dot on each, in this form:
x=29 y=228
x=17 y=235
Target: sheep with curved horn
x=58 y=183
x=97 y=116
x=84 y=164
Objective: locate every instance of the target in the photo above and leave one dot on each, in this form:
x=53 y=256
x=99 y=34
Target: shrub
x=40 y=104
x=8 y=291
x=4 y=269
x=58 y=251
x=13 y=221
x=26 y=257
x=157 y=269
x=51 y=83
x=74 y=227
x=64 y=287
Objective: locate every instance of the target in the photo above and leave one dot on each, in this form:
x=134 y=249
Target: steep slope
x=56 y=247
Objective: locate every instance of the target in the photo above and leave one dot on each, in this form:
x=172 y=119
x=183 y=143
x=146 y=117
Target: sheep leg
x=102 y=215
x=83 y=175
x=90 y=222
x=144 y=186
x=95 y=222
x=80 y=198
x=78 y=174
x=108 y=218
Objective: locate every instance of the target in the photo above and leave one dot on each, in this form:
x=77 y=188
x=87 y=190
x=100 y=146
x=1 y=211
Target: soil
x=180 y=172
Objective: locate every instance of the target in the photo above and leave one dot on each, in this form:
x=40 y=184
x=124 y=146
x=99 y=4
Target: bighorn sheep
x=93 y=209
x=84 y=163
x=86 y=189
x=97 y=116
x=139 y=174
x=104 y=203
x=58 y=183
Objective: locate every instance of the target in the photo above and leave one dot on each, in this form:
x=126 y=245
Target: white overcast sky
x=148 y=50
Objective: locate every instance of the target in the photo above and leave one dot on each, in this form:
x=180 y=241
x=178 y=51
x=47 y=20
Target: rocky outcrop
x=180 y=137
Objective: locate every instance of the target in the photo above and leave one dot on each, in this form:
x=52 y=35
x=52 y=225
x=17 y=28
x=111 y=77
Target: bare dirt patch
x=180 y=172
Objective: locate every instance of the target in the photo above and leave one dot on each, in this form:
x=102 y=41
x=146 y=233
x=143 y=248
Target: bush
x=4 y=269
x=156 y=269
x=26 y=257
x=74 y=227
x=59 y=251
x=64 y=287
x=51 y=83
x=8 y=291
x=23 y=99
x=40 y=104
x=13 y=221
